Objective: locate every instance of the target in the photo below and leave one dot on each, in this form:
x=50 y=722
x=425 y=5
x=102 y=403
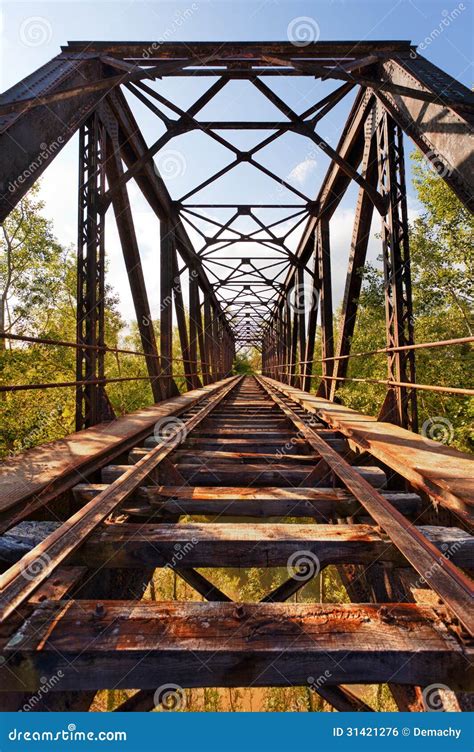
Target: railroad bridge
x=267 y=470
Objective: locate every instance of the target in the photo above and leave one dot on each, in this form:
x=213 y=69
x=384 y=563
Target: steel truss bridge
x=86 y=520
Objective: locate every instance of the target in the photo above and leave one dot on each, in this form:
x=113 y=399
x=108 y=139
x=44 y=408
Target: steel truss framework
x=271 y=295
x=267 y=295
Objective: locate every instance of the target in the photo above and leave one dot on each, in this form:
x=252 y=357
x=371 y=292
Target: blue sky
x=32 y=33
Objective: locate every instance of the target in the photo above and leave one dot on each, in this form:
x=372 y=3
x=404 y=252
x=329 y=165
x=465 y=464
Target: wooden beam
x=451 y=584
x=145 y=644
x=216 y=544
x=58 y=546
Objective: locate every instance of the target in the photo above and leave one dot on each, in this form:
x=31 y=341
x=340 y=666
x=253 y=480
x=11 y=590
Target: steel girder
x=39 y=115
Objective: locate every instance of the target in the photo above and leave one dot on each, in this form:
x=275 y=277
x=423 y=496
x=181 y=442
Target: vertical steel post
x=166 y=307
x=91 y=402
x=357 y=256
x=400 y=405
x=325 y=303
x=312 y=323
x=195 y=327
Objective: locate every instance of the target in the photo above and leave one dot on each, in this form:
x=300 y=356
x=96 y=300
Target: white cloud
x=302 y=170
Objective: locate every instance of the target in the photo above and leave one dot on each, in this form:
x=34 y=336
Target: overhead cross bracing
x=247 y=249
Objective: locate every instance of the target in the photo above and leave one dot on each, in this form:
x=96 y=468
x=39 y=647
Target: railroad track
x=278 y=488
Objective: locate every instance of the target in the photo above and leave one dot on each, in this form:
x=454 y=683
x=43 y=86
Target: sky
x=32 y=33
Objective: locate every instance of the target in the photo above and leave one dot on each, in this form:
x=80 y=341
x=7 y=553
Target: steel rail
x=450 y=583
x=47 y=556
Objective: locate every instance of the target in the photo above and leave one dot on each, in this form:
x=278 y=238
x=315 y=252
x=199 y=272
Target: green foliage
x=247 y=362
x=441 y=242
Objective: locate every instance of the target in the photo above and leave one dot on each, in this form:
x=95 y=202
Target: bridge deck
x=444 y=473
x=241 y=451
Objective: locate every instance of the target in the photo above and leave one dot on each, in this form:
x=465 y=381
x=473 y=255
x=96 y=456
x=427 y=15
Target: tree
x=441 y=243
x=38 y=298
x=33 y=267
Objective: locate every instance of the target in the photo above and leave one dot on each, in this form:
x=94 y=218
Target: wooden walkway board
x=66 y=461
x=438 y=470
x=144 y=644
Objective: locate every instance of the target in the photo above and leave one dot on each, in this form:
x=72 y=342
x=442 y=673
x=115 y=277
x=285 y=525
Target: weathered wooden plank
x=32 y=478
x=436 y=469
x=63 y=542
x=320 y=503
x=209 y=457
x=142 y=645
x=209 y=544
x=261 y=474
x=451 y=584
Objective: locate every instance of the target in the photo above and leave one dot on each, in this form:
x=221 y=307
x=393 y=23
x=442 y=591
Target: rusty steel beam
x=131 y=253
x=30 y=141
x=357 y=256
x=400 y=405
x=92 y=405
x=443 y=132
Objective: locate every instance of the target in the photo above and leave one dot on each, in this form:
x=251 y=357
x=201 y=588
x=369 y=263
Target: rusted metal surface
x=251 y=455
